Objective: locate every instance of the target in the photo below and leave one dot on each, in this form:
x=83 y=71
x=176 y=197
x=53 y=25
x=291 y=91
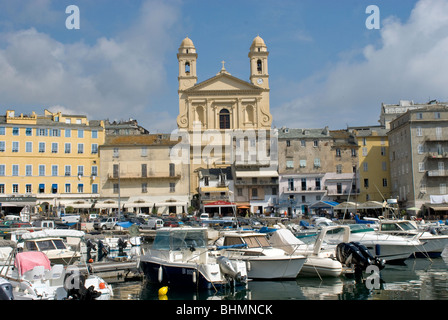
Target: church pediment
x=223 y=82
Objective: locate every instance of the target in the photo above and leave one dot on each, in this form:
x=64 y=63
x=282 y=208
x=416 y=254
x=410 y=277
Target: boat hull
x=317 y=267
x=178 y=275
x=432 y=247
x=274 y=268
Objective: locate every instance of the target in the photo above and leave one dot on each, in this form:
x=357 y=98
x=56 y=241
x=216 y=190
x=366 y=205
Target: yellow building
x=49 y=160
x=136 y=171
x=374 y=168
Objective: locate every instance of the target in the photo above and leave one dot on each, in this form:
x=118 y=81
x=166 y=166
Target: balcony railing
x=256 y=183
x=135 y=175
x=303 y=190
x=437 y=173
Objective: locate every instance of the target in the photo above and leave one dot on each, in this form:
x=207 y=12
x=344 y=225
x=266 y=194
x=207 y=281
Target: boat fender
x=163 y=291
x=160 y=274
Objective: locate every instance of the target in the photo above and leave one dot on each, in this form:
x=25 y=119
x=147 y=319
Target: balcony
x=437 y=155
x=437 y=173
x=259 y=182
x=435 y=138
x=214 y=197
x=139 y=175
x=302 y=190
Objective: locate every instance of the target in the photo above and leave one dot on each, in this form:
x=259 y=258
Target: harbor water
x=415 y=279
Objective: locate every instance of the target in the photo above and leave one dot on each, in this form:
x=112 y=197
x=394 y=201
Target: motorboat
x=32 y=277
x=432 y=244
x=181 y=257
x=262 y=259
x=54 y=243
x=391 y=248
x=320 y=257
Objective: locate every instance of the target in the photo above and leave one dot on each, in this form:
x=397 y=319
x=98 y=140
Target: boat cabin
x=397 y=226
x=180 y=238
x=250 y=240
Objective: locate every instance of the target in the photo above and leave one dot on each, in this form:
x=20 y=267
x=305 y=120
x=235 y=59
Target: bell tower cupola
x=187 y=58
x=258 y=56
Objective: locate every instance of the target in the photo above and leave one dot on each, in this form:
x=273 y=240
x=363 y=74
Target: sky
x=326 y=67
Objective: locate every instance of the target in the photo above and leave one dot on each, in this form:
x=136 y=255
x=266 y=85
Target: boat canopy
x=62 y=233
x=26 y=261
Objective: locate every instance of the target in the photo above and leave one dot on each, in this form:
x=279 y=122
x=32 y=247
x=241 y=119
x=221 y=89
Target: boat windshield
x=179 y=239
x=250 y=241
x=355 y=228
x=407 y=226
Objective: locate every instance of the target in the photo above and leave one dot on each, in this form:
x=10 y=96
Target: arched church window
x=187 y=67
x=259 y=65
x=224 y=119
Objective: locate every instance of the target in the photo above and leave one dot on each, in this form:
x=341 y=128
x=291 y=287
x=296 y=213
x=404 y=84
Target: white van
x=152 y=223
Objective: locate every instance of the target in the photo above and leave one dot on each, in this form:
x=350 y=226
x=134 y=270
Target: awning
x=439 y=208
x=371 y=205
x=138 y=204
x=256 y=174
x=214 y=189
x=80 y=205
x=170 y=204
x=324 y=204
x=220 y=204
x=347 y=205
x=105 y=205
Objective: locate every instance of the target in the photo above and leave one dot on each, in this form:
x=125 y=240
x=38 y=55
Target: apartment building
x=315 y=165
x=373 y=168
x=50 y=160
x=418 y=143
x=138 y=175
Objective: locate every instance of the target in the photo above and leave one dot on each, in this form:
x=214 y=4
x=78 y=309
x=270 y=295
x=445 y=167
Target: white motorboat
x=53 y=242
x=180 y=257
x=432 y=244
x=33 y=278
x=263 y=260
x=391 y=248
x=320 y=258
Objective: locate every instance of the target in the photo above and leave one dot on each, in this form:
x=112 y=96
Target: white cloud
x=409 y=64
x=112 y=78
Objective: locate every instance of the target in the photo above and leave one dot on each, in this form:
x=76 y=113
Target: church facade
x=228 y=122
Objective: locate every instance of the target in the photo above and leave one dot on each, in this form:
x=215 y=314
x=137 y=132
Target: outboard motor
x=226 y=267
x=357 y=255
x=74 y=284
x=6 y=290
x=102 y=251
x=121 y=246
x=90 y=246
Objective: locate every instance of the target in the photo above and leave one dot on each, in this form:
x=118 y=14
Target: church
x=229 y=124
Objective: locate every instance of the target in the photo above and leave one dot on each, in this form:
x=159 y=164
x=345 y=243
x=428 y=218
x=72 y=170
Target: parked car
x=93 y=216
x=152 y=223
x=204 y=216
x=171 y=223
x=105 y=223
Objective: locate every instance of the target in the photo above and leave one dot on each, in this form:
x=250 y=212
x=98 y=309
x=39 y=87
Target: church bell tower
x=258 y=56
x=187 y=58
